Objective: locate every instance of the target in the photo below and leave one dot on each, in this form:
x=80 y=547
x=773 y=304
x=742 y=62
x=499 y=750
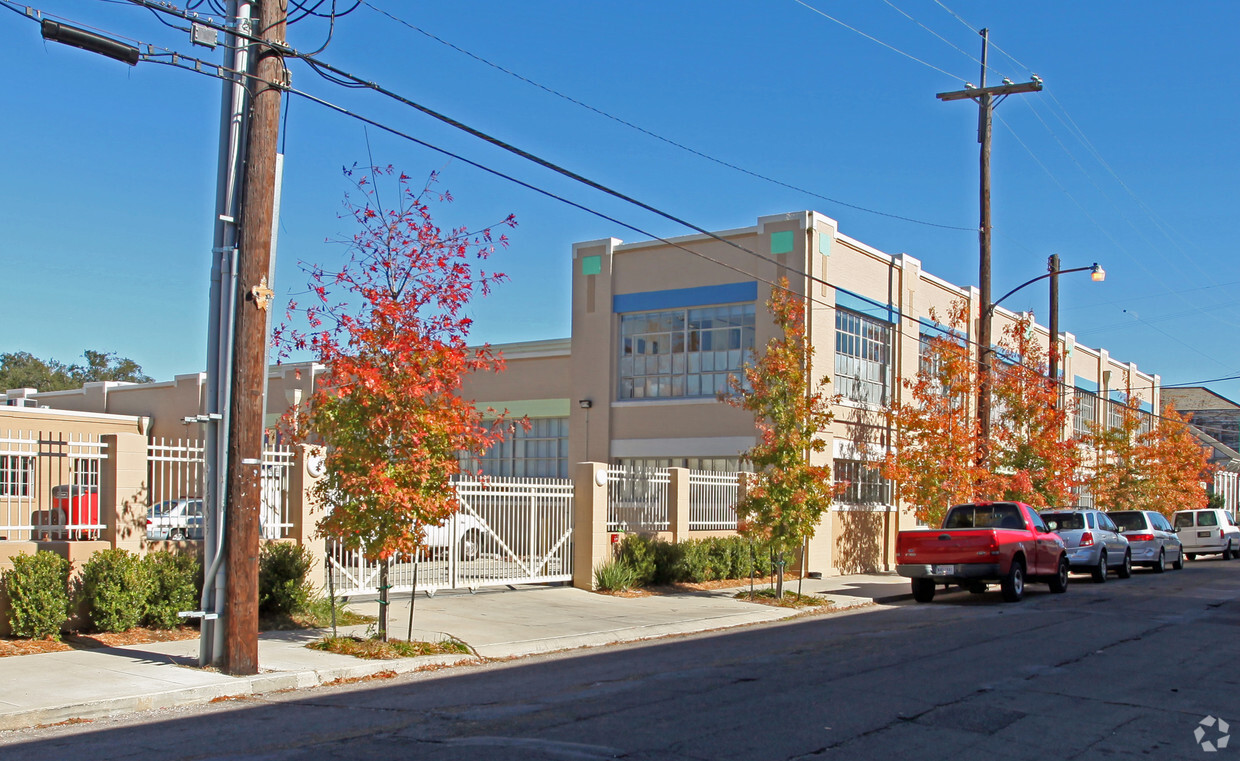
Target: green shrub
x=615 y=576
x=694 y=565
x=638 y=553
x=115 y=588
x=38 y=590
x=175 y=586
x=667 y=562
x=283 y=588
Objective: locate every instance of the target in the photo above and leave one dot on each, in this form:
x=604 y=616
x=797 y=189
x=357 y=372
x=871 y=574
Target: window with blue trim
x=684 y=352
x=862 y=352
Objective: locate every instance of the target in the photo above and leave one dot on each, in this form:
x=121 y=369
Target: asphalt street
x=1129 y=668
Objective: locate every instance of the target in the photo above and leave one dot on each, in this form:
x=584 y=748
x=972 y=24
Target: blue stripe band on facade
x=1085 y=384
x=855 y=302
x=650 y=301
x=1119 y=396
x=1147 y=407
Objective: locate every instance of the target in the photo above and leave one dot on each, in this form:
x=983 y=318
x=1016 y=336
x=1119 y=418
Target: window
x=16 y=475
x=540 y=452
x=1115 y=414
x=1086 y=412
x=708 y=464
x=862 y=344
x=684 y=352
x=863 y=483
x=1207 y=519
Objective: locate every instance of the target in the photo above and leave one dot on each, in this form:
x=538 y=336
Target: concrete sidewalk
x=86 y=684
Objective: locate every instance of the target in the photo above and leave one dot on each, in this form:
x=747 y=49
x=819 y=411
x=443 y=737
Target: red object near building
x=80 y=507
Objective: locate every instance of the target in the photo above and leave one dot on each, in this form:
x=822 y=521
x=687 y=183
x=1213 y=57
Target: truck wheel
x=923 y=590
x=470 y=545
x=1100 y=573
x=1013 y=584
x=1125 y=570
x=1059 y=582
x=1160 y=565
x=177 y=534
x=1191 y=556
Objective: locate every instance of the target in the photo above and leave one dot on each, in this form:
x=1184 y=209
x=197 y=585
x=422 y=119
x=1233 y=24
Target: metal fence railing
x=712 y=500
x=505 y=531
x=49 y=485
x=637 y=499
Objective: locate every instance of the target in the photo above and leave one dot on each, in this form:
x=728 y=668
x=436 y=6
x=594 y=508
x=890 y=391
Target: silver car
x=1151 y=538
x=175 y=519
x=1093 y=541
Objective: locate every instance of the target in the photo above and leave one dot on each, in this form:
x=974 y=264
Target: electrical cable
x=880 y=42
x=180 y=61
x=656 y=136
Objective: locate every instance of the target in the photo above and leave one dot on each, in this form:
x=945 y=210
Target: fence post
x=124 y=493
x=302 y=476
x=678 y=503
x=591 y=544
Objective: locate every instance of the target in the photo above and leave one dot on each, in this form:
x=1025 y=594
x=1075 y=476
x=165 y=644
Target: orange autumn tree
x=932 y=464
x=390 y=327
x=1176 y=464
x=789 y=493
x=1031 y=460
x=1119 y=475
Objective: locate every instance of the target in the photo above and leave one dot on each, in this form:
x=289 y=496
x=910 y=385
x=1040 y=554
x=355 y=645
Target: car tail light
x=1221 y=534
x=1087 y=539
x=1140 y=537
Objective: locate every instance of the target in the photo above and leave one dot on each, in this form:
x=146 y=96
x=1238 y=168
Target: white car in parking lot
x=1207 y=532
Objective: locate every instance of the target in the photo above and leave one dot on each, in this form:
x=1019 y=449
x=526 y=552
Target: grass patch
x=791 y=599
x=317 y=614
x=393 y=648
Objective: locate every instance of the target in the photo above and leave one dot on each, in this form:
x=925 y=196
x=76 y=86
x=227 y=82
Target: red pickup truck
x=981 y=542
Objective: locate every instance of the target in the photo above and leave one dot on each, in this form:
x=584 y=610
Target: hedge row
x=120 y=590
x=653 y=561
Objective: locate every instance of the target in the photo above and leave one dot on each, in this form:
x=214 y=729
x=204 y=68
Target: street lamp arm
x=1092 y=268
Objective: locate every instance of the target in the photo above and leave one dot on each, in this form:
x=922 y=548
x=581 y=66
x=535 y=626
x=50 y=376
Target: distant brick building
x=1215 y=415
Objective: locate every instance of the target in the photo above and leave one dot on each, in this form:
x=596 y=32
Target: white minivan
x=1207 y=532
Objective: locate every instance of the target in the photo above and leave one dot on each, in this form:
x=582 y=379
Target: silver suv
x=1094 y=543
x=1206 y=532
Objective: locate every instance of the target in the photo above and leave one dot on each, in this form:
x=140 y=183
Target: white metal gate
x=505 y=531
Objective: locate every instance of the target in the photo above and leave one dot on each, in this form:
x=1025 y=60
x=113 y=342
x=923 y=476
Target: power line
x=655 y=135
x=874 y=39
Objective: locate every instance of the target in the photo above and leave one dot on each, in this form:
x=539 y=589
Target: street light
x=1096 y=273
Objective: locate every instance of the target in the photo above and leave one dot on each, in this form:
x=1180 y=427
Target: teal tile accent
x=591 y=265
x=781 y=243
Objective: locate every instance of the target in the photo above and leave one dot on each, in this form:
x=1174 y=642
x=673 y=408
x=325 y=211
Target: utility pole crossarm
x=1007 y=88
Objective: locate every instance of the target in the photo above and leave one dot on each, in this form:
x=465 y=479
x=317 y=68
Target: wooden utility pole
x=245 y=443
x=985 y=97
x=1052 y=267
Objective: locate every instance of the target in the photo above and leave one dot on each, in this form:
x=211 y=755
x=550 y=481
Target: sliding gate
x=505 y=531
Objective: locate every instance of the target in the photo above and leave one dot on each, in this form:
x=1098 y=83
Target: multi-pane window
x=540 y=452
x=1115 y=414
x=862 y=482
x=862 y=350
x=710 y=464
x=1086 y=412
x=16 y=475
x=684 y=352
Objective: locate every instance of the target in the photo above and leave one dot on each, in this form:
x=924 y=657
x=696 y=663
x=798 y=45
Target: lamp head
x=1097 y=274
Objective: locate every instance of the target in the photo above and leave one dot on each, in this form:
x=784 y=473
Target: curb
x=242 y=687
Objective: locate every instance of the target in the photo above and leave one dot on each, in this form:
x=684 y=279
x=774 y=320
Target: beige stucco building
x=657 y=326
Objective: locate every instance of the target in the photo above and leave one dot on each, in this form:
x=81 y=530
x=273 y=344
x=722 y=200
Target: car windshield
x=1002 y=515
x=1064 y=521
x=1184 y=520
x=1129 y=521
x=163 y=508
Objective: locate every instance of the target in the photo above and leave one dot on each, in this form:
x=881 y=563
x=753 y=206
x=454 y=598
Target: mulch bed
x=701 y=586
x=78 y=641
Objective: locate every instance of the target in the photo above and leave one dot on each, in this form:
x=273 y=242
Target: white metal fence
x=712 y=500
x=637 y=499
x=505 y=531
x=49 y=486
x=176 y=473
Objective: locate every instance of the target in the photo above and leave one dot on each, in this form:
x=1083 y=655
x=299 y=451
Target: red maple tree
x=390 y=327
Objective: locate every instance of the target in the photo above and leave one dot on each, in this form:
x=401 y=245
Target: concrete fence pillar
x=591 y=543
x=678 y=503
x=304 y=510
x=124 y=494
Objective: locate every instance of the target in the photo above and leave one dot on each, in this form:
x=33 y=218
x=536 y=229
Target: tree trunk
x=383 y=600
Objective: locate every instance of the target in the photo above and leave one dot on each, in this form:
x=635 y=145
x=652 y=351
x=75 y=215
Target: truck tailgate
x=946 y=546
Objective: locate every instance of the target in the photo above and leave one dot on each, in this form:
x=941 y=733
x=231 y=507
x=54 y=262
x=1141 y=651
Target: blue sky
x=1128 y=158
